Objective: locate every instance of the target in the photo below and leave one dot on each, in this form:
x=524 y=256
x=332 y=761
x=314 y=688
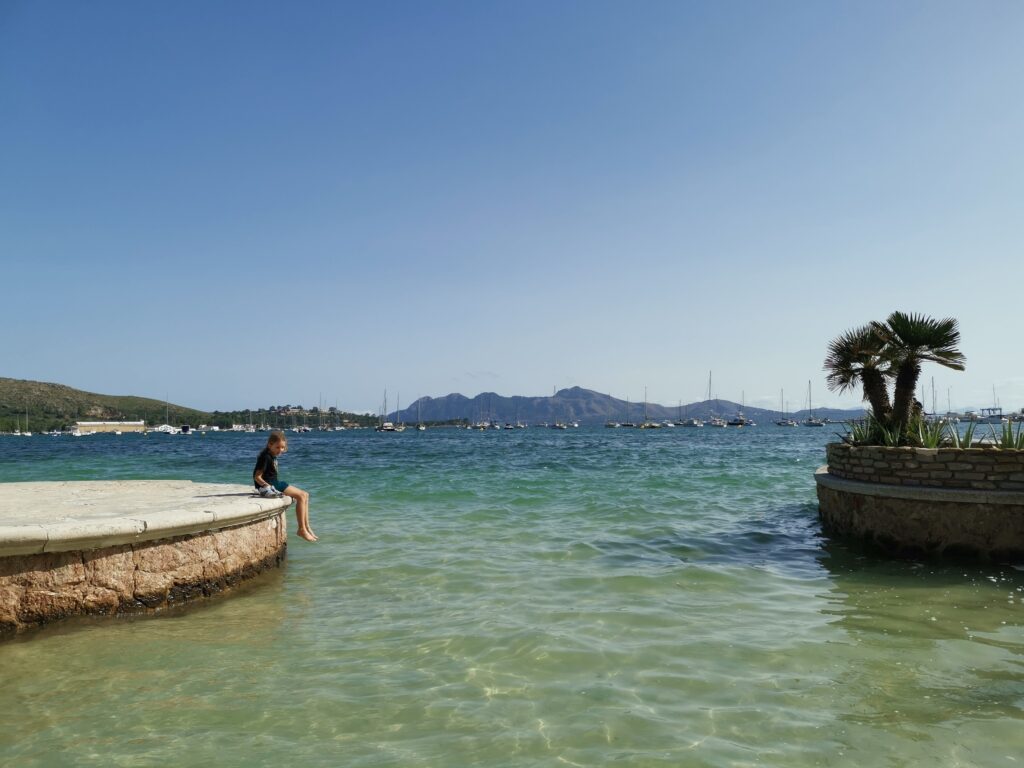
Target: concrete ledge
x=916 y=492
x=108 y=547
x=67 y=516
x=907 y=520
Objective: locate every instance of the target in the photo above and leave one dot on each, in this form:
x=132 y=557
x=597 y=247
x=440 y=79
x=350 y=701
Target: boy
x=267 y=484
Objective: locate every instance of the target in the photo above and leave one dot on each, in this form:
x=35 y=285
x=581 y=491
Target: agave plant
x=862 y=432
x=1008 y=438
x=891 y=436
x=956 y=440
x=930 y=434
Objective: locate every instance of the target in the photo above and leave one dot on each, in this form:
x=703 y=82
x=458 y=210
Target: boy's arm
x=257 y=475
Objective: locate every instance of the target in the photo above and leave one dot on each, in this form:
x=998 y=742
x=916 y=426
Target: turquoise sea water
x=532 y=598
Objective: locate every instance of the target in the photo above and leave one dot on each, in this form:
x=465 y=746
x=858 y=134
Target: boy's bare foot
x=308 y=535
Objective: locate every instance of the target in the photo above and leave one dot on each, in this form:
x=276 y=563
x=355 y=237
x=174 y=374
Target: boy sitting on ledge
x=267 y=483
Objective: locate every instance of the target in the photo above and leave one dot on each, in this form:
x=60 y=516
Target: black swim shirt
x=267 y=464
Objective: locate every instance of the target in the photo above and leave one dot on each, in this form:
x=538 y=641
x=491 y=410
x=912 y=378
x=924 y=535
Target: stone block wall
x=38 y=588
x=988 y=469
x=984 y=525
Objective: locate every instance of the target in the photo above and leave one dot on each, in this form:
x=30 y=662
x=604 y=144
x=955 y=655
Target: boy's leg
x=301 y=511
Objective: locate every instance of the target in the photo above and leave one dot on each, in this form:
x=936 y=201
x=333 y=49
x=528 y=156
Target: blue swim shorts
x=280 y=485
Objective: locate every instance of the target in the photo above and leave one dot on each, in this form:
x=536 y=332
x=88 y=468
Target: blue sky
x=243 y=204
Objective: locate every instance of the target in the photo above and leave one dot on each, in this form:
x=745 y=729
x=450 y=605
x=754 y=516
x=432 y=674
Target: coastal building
x=92 y=427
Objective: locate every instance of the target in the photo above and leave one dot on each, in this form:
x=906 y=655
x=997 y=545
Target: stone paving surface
x=81 y=515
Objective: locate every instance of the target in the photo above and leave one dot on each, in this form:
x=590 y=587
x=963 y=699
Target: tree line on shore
x=41 y=407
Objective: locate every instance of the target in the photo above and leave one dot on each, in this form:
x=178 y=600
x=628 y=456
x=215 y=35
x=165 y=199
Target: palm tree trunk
x=877 y=394
x=906 y=386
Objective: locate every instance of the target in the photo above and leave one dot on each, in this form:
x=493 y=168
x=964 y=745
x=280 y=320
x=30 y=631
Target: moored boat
x=811 y=420
x=784 y=420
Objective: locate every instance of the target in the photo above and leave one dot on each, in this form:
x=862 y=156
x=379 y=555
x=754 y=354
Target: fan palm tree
x=857 y=356
x=912 y=339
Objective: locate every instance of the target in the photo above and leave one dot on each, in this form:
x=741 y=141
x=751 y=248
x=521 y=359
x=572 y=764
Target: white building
x=92 y=427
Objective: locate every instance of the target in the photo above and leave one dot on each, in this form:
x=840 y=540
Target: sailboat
x=647 y=423
x=612 y=423
x=420 y=427
x=812 y=420
x=740 y=420
x=784 y=421
x=715 y=420
x=688 y=421
x=518 y=424
x=627 y=422
x=400 y=426
x=385 y=426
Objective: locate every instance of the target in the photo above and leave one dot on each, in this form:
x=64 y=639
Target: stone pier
x=89 y=547
x=967 y=502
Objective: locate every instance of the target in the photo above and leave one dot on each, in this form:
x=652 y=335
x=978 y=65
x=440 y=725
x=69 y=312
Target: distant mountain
x=53 y=406
x=585 y=406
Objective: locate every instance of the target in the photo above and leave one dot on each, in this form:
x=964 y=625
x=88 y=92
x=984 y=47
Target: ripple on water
x=591 y=597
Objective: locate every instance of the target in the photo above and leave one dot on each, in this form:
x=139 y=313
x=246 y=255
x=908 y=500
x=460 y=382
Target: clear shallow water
x=531 y=598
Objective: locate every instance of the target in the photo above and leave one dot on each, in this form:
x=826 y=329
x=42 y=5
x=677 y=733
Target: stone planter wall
x=38 y=588
x=914 y=501
x=976 y=468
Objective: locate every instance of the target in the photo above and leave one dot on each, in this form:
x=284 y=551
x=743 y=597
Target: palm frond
x=920 y=332
x=916 y=338
x=849 y=355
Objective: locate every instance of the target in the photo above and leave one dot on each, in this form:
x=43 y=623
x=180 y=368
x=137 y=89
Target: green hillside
x=55 y=406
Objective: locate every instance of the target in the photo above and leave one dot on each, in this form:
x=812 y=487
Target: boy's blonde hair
x=277 y=436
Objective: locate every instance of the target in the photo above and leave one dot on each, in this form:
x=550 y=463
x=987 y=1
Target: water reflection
x=928 y=599
x=104 y=686
x=786 y=540
x=933 y=653
x=484 y=601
